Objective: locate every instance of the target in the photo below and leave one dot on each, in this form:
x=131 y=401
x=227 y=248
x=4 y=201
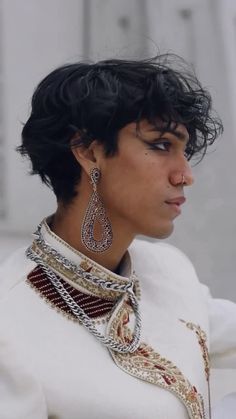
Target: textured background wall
x=38 y=36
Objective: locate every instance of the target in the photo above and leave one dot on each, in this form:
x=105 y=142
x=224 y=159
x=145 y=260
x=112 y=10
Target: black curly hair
x=95 y=100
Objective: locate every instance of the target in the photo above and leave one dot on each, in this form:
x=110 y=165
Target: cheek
x=119 y=172
x=121 y=187
x=129 y=174
x=132 y=190
x=133 y=180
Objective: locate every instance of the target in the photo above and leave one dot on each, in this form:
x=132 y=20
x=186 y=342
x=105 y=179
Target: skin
x=135 y=186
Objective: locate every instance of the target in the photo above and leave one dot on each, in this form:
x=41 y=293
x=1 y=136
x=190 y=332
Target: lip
x=175 y=204
x=176 y=201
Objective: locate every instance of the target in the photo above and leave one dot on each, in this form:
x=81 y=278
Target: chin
x=163 y=232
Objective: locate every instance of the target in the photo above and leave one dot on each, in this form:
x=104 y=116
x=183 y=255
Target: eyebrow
x=174 y=132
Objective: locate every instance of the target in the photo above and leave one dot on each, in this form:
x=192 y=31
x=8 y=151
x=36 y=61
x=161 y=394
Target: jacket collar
x=78 y=259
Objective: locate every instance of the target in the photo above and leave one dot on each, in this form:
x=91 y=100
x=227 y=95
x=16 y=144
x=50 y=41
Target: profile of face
x=142 y=185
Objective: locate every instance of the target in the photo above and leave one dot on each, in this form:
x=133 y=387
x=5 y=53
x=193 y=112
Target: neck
x=66 y=223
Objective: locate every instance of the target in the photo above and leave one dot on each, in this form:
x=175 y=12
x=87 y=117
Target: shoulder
x=158 y=250
x=14 y=270
x=161 y=257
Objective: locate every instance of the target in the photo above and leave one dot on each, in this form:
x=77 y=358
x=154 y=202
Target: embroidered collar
x=55 y=265
x=83 y=262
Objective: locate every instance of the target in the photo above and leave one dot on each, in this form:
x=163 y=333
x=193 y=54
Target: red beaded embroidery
x=93 y=306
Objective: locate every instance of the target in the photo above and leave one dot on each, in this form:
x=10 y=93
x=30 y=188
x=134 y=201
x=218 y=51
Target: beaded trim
x=202 y=340
x=96 y=308
x=150 y=366
x=86 y=262
x=127 y=288
x=65 y=272
x=87 y=265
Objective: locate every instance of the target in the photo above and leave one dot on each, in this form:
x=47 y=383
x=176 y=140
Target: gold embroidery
x=202 y=340
x=150 y=366
x=87 y=263
x=85 y=266
x=73 y=277
x=85 y=286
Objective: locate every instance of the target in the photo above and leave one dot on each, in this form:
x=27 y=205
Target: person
x=95 y=321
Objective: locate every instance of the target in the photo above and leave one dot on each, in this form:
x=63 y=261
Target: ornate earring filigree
x=95 y=212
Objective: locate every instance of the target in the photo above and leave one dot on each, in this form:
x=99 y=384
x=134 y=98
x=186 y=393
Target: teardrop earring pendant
x=96 y=212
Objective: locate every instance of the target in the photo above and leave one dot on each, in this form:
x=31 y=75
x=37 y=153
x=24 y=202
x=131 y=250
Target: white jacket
x=52 y=367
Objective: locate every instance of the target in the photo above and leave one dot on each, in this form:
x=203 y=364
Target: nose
x=182 y=176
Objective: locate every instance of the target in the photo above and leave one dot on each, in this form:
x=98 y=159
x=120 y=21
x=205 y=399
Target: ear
x=88 y=157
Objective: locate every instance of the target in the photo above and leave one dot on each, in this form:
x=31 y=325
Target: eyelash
x=156 y=146
x=167 y=145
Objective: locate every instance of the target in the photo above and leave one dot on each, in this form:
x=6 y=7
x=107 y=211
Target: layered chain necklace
x=124 y=290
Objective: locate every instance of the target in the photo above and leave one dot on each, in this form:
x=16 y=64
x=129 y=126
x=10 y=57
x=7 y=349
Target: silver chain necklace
x=80 y=314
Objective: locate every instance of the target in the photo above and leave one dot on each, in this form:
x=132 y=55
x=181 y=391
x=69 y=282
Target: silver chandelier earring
x=95 y=212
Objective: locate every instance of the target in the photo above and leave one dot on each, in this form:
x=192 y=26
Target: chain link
x=106 y=285
x=75 y=308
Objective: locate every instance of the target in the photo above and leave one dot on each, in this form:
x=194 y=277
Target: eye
x=161 y=145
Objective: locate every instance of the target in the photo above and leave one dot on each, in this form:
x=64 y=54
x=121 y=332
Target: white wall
x=199 y=30
x=37 y=37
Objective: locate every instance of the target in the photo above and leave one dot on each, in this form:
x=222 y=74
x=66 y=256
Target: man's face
x=140 y=181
